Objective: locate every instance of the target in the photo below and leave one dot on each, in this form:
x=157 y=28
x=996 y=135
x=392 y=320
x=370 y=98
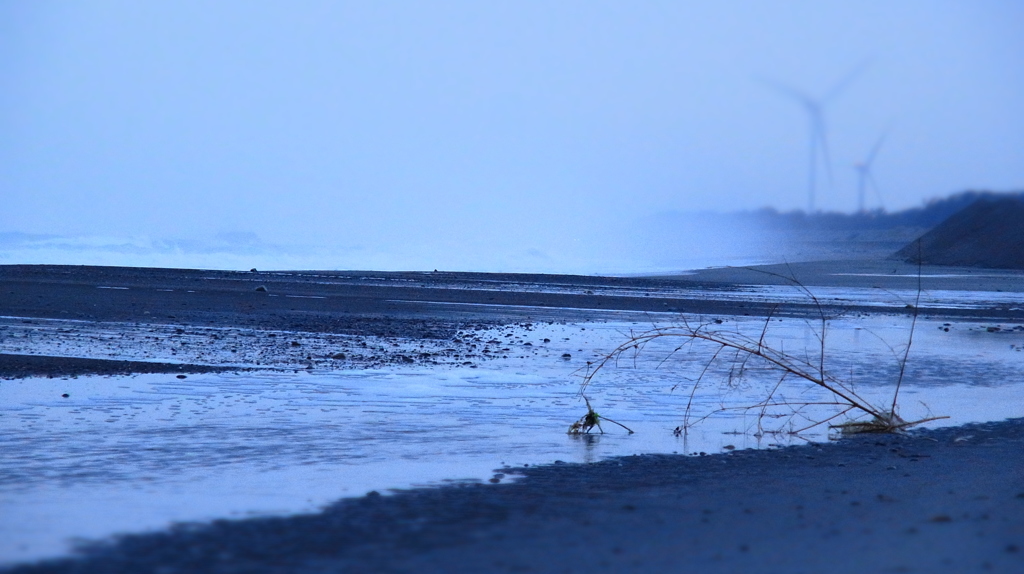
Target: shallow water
x=124 y=454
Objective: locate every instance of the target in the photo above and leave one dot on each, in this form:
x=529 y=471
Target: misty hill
x=767 y=236
x=987 y=233
x=928 y=216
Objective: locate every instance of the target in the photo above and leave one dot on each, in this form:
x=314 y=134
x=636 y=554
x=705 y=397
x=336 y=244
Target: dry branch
x=739 y=351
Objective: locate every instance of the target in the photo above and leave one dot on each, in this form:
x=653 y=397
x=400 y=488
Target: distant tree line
x=929 y=215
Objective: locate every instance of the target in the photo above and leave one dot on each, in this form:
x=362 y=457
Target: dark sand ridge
x=23 y=366
x=948 y=500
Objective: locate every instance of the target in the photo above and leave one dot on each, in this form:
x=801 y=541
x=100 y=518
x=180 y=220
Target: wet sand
x=946 y=500
x=23 y=366
x=432 y=307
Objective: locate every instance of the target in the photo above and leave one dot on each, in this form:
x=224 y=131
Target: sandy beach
x=937 y=500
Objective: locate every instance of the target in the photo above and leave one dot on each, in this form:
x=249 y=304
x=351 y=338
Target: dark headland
x=989 y=233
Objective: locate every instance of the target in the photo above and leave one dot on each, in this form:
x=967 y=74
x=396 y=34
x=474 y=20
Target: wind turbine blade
x=786 y=90
x=874 y=150
x=844 y=83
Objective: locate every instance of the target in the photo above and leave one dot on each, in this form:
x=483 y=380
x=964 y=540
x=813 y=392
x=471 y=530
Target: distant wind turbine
x=819 y=133
x=864 y=177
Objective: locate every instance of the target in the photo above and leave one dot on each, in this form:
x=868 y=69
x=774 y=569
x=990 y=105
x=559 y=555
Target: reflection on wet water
x=131 y=453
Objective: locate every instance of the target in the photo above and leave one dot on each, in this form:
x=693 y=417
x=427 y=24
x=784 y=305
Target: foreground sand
x=948 y=500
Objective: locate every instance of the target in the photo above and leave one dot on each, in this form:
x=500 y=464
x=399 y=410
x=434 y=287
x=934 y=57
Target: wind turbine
x=864 y=177
x=815 y=108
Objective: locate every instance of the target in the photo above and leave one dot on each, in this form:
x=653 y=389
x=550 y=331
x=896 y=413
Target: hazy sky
x=396 y=123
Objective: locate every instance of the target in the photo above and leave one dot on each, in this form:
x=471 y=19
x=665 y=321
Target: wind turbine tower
x=815 y=109
x=864 y=177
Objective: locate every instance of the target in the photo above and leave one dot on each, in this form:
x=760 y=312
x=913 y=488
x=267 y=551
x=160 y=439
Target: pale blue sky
x=520 y=124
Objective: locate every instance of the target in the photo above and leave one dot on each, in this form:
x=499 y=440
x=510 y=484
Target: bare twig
x=740 y=349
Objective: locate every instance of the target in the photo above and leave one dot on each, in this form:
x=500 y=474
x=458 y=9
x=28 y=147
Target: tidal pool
x=126 y=454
